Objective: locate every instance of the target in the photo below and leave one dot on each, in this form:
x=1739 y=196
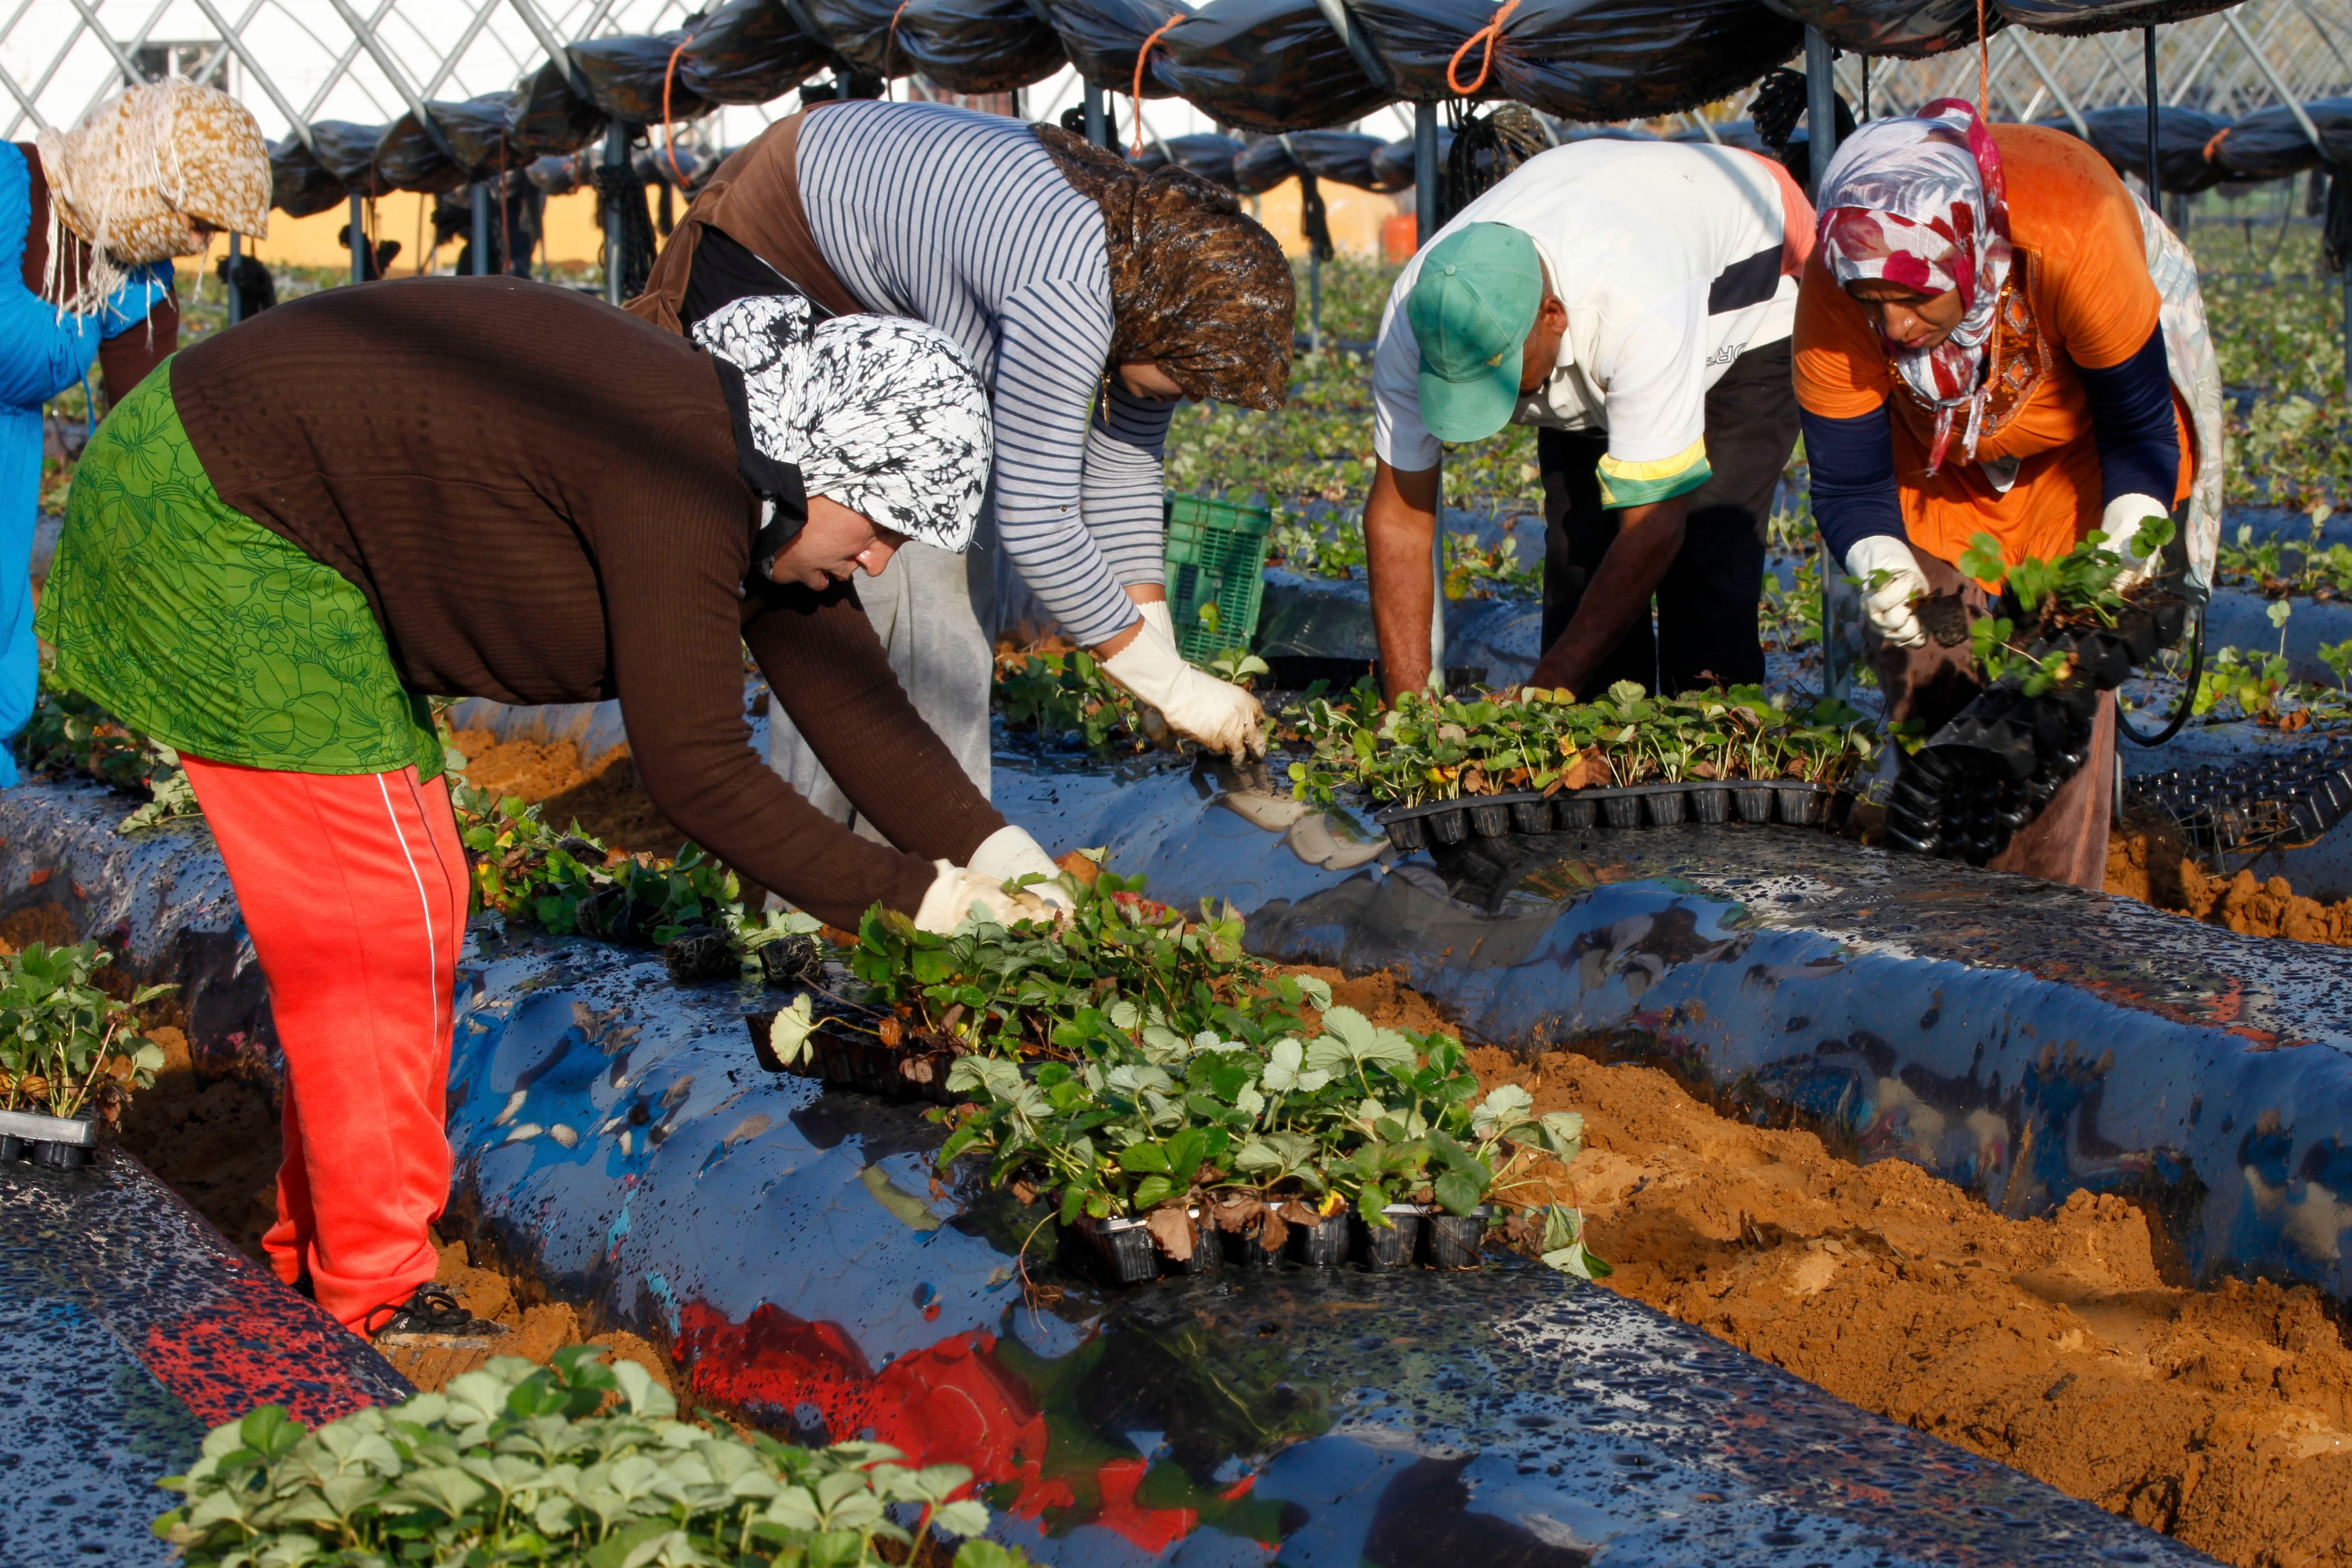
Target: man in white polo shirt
x=1632 y=300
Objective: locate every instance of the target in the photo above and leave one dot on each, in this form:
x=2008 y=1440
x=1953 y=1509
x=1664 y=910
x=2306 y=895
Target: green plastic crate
x=1216 y=555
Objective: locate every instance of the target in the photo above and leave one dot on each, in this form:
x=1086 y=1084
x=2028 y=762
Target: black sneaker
x=432 y=1320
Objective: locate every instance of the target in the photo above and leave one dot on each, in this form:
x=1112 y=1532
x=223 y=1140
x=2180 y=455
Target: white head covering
x=882 y=414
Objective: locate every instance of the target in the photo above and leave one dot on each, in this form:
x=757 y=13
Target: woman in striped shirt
x=1091 y=297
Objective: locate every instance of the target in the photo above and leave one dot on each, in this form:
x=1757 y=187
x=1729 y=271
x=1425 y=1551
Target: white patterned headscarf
x=882 y=414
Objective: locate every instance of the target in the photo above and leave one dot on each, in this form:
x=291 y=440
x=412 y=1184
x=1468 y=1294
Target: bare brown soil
x=605 y=801
x=2147 y=861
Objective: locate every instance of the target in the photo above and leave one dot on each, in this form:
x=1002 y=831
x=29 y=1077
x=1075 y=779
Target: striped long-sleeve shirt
x=964 y=221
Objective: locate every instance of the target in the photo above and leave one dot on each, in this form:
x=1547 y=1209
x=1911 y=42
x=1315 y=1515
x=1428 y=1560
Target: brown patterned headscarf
x=1197 y=286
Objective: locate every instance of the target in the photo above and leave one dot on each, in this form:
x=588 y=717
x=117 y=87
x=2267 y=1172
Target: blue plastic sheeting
x=128 y=1329
x=617 y=1137
x=2021 y=1038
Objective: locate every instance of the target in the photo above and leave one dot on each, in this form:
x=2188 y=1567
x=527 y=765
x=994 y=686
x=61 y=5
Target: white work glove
x=2121 y=523
x=1889 y=606
x=955 y=890
x=1157 y=613
x=1196 y=704
x=1009 y=853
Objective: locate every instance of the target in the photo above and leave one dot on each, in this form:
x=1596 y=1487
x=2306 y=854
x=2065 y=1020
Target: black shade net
x=1264 y=65
x=977 y=46
x=625 y=78
x=747 y=51
x=1204 y=153
x=547 y=117
x=299 y=184
x=1343 y=156
x=1906 y=29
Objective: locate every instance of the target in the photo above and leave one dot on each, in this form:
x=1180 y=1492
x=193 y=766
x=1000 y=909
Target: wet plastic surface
x=128 y=1328
x=299 y=184
x=1267 y=65
x=1906 y=29
x=976 y=45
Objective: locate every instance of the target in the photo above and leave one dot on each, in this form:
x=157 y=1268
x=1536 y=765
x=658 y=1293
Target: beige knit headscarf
x=140 y=168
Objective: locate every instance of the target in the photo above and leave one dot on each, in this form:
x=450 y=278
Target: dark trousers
x=1708 y=601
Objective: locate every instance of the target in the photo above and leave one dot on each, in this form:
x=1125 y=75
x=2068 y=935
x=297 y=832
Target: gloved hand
x=2121 y=523
x=955 y=890
x=1010 y=853
x=1889 y=606
x=1158 y=614
x=1196 y=704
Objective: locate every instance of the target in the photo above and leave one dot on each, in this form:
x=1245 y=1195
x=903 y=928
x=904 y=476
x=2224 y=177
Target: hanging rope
x=1140 y=56
x=890 y=49
x=669 y=139
x=1984 y=68
x=1488 y=36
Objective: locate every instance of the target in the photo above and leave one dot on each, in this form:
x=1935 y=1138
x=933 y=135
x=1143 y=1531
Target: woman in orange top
x=1979 y=349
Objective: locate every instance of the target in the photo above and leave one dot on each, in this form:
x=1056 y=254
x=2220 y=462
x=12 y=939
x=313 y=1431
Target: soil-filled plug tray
x=61 y=1142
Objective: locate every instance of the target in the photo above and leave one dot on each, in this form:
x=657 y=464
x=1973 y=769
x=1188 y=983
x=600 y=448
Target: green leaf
x=1455 y=1193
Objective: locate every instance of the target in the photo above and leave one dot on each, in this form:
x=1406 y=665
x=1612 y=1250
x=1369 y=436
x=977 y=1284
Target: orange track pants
x=353 y=888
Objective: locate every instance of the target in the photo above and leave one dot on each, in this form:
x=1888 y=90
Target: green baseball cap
x=1472 y=308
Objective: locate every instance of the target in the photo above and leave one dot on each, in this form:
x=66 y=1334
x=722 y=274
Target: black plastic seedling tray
x=60 y=1142
x=1790 y=802
x=1122 y=1252
x=844 y=1059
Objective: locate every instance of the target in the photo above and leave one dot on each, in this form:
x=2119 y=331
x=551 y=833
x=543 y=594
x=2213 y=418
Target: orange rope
x=2213 y=147
x=669 y=139
x=890 y=49
x=1486 y=34
x=1984 y=69
x=1141 y=55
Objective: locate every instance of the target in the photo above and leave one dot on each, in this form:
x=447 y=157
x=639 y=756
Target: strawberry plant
x=570 y=884
x=518 y=1464
x=70 y=735
x=2075 y=592
x=1055 y=691
x=66 y=1046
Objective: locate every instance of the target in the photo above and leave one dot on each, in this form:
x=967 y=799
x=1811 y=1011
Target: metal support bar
x=260 y=77
x=359 y=238
x=2065 y=104
x=1368 y=59
x=1821 y=109
x=236 y=295
x=543 y=33
x=481 y=194
x=130 y=71
x=2270 y=75
x=1097 y=121
x=1425 y=177
x=384 y=63
x=616 y=156
x=2155 y=100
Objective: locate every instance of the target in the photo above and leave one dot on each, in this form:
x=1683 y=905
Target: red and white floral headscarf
x=1920 y=201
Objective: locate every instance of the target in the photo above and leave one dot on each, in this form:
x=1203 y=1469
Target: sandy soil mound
x=2147 y=860
x=606 y=801
x=2056 y=1345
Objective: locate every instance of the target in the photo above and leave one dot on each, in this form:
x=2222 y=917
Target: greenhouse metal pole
x=1424 y=201
x=358 y=233
x=616 y=158
x=481 y=193
x=2147 y=56
x=1821 y=108
x=1097 y=123
x=235 y=299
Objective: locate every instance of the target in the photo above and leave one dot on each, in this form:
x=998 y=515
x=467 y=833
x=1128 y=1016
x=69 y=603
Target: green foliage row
x=66 y=1046
x=70 y=734
x=569 y=883
x=1426 y=748
x=519 y=1464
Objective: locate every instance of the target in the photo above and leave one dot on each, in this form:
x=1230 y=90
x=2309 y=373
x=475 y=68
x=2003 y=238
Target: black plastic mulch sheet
x=1204 y=153
x=625 y=76
x=1264 y=65
x=2269 y=144
x=1613 y=59
x=547 y=118
x=977 y=46
x=2120 y=134
x=1392 y=164
x=348 y=151
x=1907 y=29
x=1344 y=157
x=299 y=184
x=2078 y=17
x=407 y=159
x=1101 y=38
x=748 y=51
x=476 y=131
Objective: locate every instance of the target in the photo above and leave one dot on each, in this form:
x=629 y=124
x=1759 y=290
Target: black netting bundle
x=408 y=159
x=2079 y=16
x=2120 y=134
x=1484 y=151
x=1582 y=60
x=625 y=78
x=1907 y=29
x=977 y=46
x=859 y=32
x=299 y=184
x=547 y=118
x=476 y=132
x=1264 y=65
x=2270 y=143
x=748 y=51
x=348 y=151
x=1392 y=164
x=638 y=242
x=1204 y=153
x=1344 y=156
x=1101 y=37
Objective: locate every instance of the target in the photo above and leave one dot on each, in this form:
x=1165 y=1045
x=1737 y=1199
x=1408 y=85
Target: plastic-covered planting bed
x=128 y=1328
x=620 y=1143
x=2021 y=1038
